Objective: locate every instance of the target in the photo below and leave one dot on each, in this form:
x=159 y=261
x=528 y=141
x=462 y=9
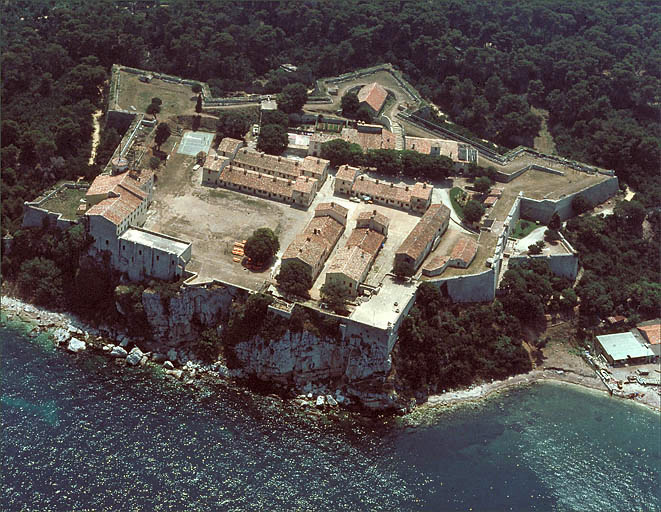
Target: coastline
x=59 y=324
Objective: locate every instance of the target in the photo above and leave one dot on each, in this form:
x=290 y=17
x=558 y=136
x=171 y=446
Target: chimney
x=374 y=212
x=392 y=185
x=362 y=178
x=424 y=185
x=407 y=188
x=377 y=181
x=261 y=155
x=318 y=161
x=279 y=159
x=307 y=240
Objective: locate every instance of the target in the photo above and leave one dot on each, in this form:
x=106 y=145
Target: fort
x=348 y=226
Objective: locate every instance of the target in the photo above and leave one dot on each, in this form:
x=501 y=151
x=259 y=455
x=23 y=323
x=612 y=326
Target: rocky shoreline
x=69 y=333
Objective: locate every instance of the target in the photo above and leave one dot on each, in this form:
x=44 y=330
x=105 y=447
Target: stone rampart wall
x=35 y=216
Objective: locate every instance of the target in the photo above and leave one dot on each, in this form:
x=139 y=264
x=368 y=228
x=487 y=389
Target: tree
x=536 y=248
x=200 y=157
x=579 y=204
x=155 y=106
x=551 y=235
x=275 y=117
x=473 y=211
x=403 y=268
x=555 y=222
x=350 y=104
x=335 y=296
x=292 y=98
x=569 y=299
x=233 y=124
x=41 y=280
x=198 y=104
x=294 y=277
x=196 y=88
x=262 y=246
x=339 y=152
x=157 y=101
x=273 y=139
x=482 y=184
x=364 y=114
x=162 y=134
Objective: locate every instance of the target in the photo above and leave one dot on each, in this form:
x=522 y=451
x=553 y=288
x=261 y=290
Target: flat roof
x=623 y=345
x=380 y=310
x=155 y=241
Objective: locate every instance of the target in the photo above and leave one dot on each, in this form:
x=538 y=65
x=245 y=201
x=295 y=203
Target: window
x=140 y=252
x=107 y=242
x=156 y=257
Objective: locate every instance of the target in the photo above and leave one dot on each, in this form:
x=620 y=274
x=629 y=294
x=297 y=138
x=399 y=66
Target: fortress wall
x=543 y=210
x=470 y=288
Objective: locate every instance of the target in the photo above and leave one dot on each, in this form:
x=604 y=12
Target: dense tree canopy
x=273 y=139
x=294 y=277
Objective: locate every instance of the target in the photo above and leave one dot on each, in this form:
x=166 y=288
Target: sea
x=81 y=433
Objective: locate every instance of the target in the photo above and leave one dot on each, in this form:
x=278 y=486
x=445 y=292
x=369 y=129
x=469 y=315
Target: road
x=535 y=235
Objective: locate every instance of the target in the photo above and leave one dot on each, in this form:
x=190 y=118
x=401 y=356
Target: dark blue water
x=80 y=433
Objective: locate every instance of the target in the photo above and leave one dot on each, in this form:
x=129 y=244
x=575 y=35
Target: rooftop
x=454 y=150
x=331 y=206
x=351 y=261
x=214 y=161
x=368 y=240
x=257 y=180
x=374 y=95
x=268 y=163
x=622 y=346
x=375 y=215
x=347 y=173
x=424 y=231
x=156 y=241
x=465 y=250
x=366 y=139
x=319 y=237
x=652 y=332
x=229 y=145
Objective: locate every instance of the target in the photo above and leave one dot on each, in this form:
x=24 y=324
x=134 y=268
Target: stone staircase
x=399 y=136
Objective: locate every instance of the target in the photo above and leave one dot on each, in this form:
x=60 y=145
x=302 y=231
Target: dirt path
x=96 y=134
x=544 y=141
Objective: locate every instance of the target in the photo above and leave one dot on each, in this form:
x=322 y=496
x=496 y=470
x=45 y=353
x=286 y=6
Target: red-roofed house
x=373 y=96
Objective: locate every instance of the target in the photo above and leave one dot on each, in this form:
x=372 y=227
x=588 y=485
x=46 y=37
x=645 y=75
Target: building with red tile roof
x=408 y=197
x=424 y=237
x=366 y=136
x=313 y=245
x=374 y=220
x=373 y=96
x=458 y=152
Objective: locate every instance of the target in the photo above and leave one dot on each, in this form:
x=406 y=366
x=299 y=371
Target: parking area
x=194 y=142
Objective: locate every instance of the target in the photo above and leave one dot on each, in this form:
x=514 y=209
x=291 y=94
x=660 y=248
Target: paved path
x=442 y=195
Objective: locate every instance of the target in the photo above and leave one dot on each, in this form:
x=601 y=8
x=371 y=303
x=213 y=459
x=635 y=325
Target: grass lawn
x=66 y=202
x=455 y=195
x=523 y=228
x=177 y=99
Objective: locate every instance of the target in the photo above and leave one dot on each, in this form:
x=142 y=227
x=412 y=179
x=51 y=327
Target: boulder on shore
x=118 y=352
x=168 y=365
x=76 y=345
x=320 y=401
x=134 y=356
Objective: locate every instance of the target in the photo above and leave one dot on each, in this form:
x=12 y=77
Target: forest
x=595 y=66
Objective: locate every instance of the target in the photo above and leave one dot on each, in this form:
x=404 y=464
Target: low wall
x=563 y=265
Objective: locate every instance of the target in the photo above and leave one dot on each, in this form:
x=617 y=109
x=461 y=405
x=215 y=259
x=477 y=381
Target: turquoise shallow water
x=80 y=433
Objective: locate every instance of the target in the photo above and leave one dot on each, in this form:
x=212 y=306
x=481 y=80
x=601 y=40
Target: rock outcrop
x=76 y=345
x=297 y=358
x=180 y=319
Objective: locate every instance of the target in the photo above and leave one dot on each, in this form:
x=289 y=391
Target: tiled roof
x=377 y=216
x=490 y=201
x=316 y=241
x=305 y=184
x=435 y=264
x=352 y=261
x=321 y=207
x=229 y=145
x=215 y=161
x=347 y=173
x=374 y=95
x=442 y=147
x=104 y=183
x=424 y=231
x=389 y=191
x=422 y=191
x=652 y=333
x=257 y=181
x=464 y=250
x=315 y=165
x=123 y=196
x=269 y=164
x=366 y=140
x=367 y=239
